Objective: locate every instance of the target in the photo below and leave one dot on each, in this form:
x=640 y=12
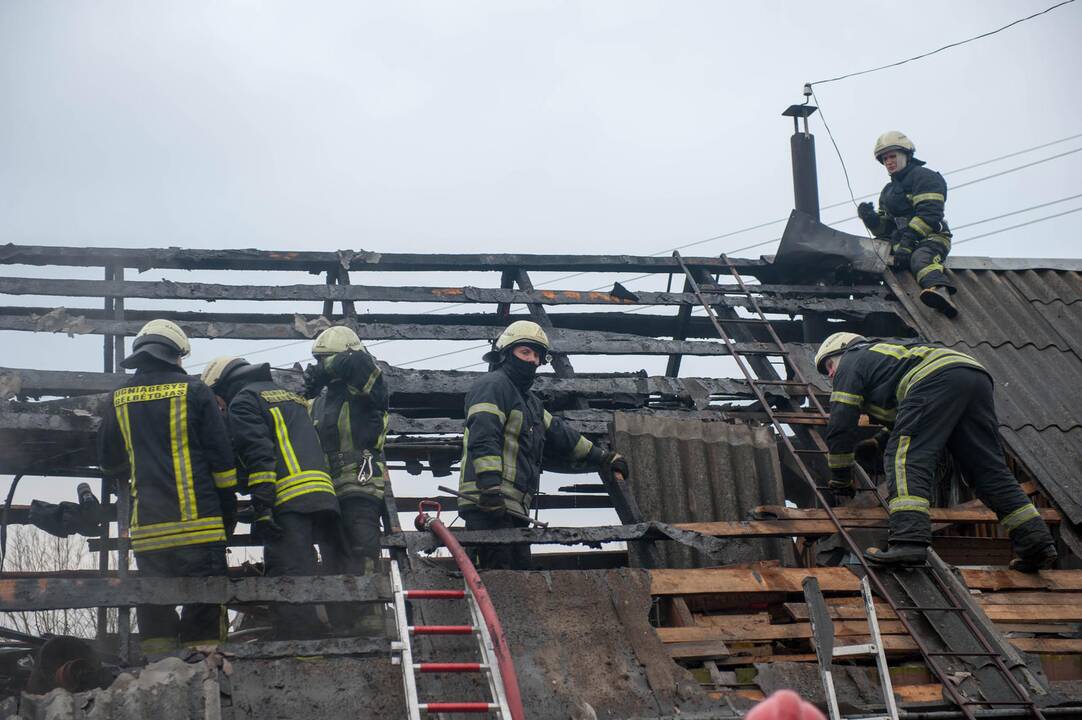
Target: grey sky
x=609 y=127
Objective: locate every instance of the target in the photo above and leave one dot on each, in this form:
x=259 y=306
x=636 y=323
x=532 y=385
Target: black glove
x=613 y=463
x=264 y=527
x=489 y=496
x=315 y=379
x=840 y=487
x=903 y=242
x=867 y=214
x=869 y=451
x=228 y=501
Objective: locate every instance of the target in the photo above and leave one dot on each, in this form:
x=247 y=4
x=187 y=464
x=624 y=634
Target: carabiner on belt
x=364 y=469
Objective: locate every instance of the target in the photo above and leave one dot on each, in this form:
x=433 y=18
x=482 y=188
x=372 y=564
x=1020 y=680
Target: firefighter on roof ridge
x=508 y=436
x=911 y=217
x=932 y=398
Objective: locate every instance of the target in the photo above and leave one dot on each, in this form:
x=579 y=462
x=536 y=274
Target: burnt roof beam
x=169 y=290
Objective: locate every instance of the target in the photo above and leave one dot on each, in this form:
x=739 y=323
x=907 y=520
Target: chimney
x=802 y=145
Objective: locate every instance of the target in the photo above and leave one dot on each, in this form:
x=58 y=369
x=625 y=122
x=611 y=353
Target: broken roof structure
x=708 y=608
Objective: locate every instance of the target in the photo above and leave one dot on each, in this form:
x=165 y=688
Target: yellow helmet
x=893 y=140
x=334 y=340
x=220 y=367
x=160 y=339
x=834 y=345
x=520 y=332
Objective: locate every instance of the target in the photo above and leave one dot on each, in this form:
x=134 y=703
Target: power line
x=1019 y=225
x=757 y=226
x=1019 y=167
x=1008 y=171
x=1015 y=212
x=1013 y=154
x=766 y=242
x=845 y=171
x=945 y=47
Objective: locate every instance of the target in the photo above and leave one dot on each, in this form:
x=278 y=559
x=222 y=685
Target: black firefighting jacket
x=510 y=433
x=873 y=378
x=351 y=417
x=277 y=446
x=915 y=197
x=163 y=430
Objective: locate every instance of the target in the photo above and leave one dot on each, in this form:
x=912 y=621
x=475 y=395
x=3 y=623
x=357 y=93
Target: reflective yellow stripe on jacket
x=302 y=483
x=937 y=359
x=167 y=535
x=298 y=482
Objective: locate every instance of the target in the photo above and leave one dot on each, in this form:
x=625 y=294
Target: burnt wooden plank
x=575 y=342
x=406 y=382
x=762 y=579
x=19 y=514
x=171 y=290
x=639 y=324
x=313 y=261
x=971 y=514
x=61 y=593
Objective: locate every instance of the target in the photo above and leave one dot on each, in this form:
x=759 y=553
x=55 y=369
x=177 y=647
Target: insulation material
x=699 y=471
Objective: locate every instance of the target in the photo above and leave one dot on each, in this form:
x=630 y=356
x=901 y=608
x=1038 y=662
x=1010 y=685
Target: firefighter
x=162 y=434
x=507 y=434
x=910 y=215
x=932 y=398
x=293 y=499
x=350 y=413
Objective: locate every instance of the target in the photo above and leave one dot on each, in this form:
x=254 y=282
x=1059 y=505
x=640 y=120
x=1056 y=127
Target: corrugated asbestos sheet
x=1025 y=326
x=697 y=471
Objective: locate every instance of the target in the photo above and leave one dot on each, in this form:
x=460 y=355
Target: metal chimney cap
x=799 y=111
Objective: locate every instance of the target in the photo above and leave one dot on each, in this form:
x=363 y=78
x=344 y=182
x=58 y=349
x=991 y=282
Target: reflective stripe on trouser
x=161 y=629
x=953 y=409
x=361 y=518
x=926 y=262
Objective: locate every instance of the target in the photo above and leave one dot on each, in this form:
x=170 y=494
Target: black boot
x=939 y=298
x=1042 y=559
x=898 y=554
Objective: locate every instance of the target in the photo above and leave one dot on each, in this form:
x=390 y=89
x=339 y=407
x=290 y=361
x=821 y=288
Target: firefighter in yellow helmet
x=281 y=463
x=933 y=398
x=350 y=411
x=911 y=216
x=508 y=435
x=163 y=435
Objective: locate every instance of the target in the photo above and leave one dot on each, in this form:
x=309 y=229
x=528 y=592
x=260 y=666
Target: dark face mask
x=522 y=373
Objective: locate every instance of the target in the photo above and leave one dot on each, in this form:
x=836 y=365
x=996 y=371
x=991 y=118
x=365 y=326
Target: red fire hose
x=484 y=603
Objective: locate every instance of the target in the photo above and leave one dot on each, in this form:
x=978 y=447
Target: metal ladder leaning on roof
x=495 y=664
x=817 y=415
x=826 y=651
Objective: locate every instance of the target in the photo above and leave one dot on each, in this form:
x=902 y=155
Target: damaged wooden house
x=726 y=577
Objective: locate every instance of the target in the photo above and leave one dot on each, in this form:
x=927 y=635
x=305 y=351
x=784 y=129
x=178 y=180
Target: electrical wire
x=1019 y=225
x=945 y=47
x=955 y=188
x=740 y=231
x=845 y=171
x=774 y=240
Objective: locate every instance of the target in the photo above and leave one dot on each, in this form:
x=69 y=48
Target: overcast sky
x=603 y=127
